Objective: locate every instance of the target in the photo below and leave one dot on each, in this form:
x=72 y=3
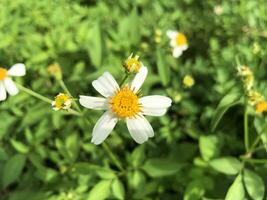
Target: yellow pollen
x=181 y=39
x=261 y=107
x=125 y=103
x=132 y=64
x=62 y=101
x=3 y=73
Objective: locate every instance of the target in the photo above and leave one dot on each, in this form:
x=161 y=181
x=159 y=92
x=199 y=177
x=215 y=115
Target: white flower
x=124 y=103
x=6 y=83
x=178 y=42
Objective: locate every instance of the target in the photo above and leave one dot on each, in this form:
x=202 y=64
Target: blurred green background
x=47 y=155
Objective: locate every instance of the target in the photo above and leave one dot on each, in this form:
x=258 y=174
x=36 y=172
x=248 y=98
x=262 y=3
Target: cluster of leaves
x=198 y=151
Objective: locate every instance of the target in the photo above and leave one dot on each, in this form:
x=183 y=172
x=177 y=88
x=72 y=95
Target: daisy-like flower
x=261 y=107
x=178 y=42
x=62 y=102
x=124 y=104
x=6 y=83
x=132 y=64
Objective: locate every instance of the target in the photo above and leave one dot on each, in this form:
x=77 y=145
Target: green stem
x=253 y=160
x=43 y=98
x=113 y=157
x=124 y=79
x=246 y=131
x=64 y=87
x=32 y=93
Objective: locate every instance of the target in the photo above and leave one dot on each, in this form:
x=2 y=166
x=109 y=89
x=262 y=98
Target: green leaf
x=19 y=146
x=118 y=189
x=163 y=68
x=138 y=156
x=227 y=102
x=209 y=146
x=95 y=49
x=161 y=167
x=13 y=169
x=100 y=191
x=236 y=190
x=254 y=185
x=226 y=165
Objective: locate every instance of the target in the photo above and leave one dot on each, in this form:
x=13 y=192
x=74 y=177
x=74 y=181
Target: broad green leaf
x=236 y=190
x=209 y=146
x=163 y=68
x=226 y=165
x=227 y=102
x=86 y=168
x=100 y=191
x=19 y=146
x=13 y=169
x=157 y=167
x=138 y=156
x=118 y=189
x=254 y=185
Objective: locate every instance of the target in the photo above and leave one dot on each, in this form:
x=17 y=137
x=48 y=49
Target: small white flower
x=178 y=42
x=6 y=83
x=124 y=103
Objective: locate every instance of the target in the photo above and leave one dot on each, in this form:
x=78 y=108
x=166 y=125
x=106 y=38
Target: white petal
x=140 y=129
x=171 y=34
x=155 y=105
x=103 y=127
x=139 y=79
x=177 y=51
x=11 y=87
x=2 y=91
x=18 y=69
x=106 y=85
x=96 y=103
x=184 y=47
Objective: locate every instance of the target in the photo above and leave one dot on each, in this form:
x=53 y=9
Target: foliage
x=198 y=151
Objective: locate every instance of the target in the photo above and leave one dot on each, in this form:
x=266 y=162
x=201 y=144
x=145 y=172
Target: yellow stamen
x=3 y=73
x=180 y=39
x=62 y=101
x=132 y=64
x=261 y=107
x=125 y=103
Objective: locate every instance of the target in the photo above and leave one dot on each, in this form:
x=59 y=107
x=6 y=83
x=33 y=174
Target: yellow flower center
x=125 y=103
x=3 y=73
x=188 y=81
x=62 y=101
x=181 y=39
x=132 y=64
x=261 y=107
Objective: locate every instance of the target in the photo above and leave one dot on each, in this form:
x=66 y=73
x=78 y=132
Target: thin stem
x=253 y=160
x=113 y=157
x=43 y=98
x=64 y=87
x=124 y=79
x=246 y=131
x=32 y=93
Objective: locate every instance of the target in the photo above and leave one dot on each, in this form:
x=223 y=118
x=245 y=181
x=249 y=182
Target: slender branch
x=43 y=98
x=124 y=78
x=246 y=129
x=35 y=94
x=113 y=157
